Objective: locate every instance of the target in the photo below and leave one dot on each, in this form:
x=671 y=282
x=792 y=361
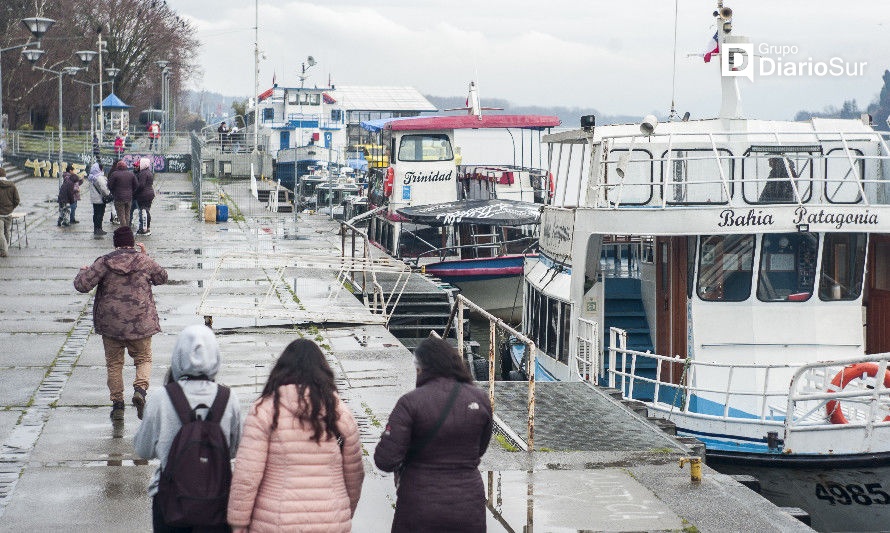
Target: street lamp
x=71 y=71
x=38 y=26
x=112 y=72
x=92 y=99
x=163 y=64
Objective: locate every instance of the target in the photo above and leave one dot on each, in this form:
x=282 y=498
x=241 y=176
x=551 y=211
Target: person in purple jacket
x=122 y=182
x=434 y=440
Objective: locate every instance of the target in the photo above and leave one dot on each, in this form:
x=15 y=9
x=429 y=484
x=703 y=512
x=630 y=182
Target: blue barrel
x=222 y=213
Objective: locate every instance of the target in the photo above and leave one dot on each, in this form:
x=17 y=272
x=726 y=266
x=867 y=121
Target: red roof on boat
x=460 y=122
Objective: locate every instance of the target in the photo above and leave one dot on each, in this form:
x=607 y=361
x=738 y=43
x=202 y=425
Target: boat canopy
x=459 y=122
x=378 y=124
x=490 y=212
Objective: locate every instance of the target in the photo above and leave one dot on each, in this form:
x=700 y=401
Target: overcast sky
x=615 y=56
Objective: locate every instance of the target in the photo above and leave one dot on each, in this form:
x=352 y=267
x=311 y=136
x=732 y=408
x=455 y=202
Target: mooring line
x=16 y=451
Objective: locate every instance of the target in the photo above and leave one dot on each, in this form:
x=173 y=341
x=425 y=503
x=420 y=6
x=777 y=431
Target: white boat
x=470 y=225
x=734 y=275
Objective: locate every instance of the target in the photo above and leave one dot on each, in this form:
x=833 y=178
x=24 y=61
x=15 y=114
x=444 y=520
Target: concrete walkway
x=63 y=465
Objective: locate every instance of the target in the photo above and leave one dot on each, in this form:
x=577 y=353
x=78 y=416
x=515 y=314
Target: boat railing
x=781 y=169
x=759 y=393
x=853 y=391
x=587 y=363
x=502 y=246
x=621 y=257
x=496 y=325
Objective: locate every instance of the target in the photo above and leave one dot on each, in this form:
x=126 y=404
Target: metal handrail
x=457 y=312
x=792 y=396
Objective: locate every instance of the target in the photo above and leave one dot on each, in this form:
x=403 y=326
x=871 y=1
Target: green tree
x=239 y=108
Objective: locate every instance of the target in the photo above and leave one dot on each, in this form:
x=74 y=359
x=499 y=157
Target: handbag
x=421 y=444
x=106 y=198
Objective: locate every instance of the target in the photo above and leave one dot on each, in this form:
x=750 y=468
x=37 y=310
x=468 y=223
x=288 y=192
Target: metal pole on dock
x=491 y=341
x=531 y=396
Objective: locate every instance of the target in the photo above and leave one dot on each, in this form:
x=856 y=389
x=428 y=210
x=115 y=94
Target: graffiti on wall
x=159 y=162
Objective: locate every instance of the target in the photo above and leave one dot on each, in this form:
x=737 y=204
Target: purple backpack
x=195 y=482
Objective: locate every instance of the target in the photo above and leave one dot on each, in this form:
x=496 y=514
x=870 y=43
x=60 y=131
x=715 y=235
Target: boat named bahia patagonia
x=734 y=275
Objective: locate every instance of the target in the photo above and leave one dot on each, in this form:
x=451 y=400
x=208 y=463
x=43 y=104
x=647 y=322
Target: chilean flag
x=713 y=48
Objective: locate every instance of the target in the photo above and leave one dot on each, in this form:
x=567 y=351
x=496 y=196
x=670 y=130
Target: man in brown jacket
x=9 y=200
x=124 y=313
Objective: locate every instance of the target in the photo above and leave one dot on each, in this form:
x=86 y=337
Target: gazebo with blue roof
x=117 y=115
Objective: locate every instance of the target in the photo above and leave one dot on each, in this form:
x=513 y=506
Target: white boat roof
x=381 y=98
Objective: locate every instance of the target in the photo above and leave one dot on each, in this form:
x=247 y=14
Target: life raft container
x=842 y=379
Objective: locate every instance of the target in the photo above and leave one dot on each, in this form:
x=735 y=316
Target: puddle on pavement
x=560 y=501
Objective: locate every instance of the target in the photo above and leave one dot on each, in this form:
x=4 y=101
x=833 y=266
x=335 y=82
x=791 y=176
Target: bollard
x=694 y=468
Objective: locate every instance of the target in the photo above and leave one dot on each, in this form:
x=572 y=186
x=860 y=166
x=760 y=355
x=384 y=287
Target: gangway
x=301 y=287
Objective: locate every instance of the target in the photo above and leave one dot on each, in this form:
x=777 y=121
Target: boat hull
x=841 y=493
x=493 y=284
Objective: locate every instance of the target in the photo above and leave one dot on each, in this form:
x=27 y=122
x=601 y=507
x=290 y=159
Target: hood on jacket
x=6 y=183
x=196 y=353
x=95 y=171
x=124 y=261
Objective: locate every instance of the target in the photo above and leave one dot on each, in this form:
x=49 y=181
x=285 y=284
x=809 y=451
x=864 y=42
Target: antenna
x=673 y=112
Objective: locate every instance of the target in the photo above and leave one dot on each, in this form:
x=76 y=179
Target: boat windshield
x=787 y=267
x=843 y=262
x=425 y=147
x=725 y=267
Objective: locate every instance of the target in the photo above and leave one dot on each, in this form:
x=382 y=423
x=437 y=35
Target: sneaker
x=140 y=232
x=117 y=411
x=146 y=232
x=99 y=231
x=139 y=401
x=75 y=222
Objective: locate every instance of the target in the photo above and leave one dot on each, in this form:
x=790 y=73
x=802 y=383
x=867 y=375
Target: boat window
x=724 y=268
x=427 y=147
x=268 y=114
x=552 y=326
x=421 y=240
x=787 y=267
x=292 y=97
x=770 y=174
x=843 y=261
x=566 y=312
x=841 y=185
x=694 y=176
x=635 y=188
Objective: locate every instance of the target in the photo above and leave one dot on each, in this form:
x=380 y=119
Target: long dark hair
x=303 y=364
x=437 y=358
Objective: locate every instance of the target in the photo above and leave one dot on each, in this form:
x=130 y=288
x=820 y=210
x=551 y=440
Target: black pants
x=98 y=213
x=157 y=522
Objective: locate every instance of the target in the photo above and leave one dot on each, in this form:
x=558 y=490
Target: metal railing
x=495 y=324
x=738 y=387
x=587 y=362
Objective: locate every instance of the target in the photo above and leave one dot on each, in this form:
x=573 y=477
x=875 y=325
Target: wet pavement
x=63 y=464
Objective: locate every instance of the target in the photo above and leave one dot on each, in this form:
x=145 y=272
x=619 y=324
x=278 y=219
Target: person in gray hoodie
x=194 y=365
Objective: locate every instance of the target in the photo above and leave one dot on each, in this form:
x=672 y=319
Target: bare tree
x=137 y=32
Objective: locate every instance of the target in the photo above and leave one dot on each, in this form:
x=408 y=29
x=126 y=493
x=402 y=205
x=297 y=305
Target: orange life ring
x=388 y=182
x=552 y=185
x=842 y=379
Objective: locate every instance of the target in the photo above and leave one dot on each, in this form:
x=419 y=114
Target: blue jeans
x=134 y=206
x=73 y=207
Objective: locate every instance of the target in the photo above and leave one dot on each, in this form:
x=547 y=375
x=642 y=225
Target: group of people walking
x=131 y=191
x=298 y=457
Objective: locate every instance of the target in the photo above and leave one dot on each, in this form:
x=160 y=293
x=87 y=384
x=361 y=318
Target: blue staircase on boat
x=624 y=309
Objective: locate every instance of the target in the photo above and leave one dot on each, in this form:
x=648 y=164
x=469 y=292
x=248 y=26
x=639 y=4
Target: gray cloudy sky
x=614 y=56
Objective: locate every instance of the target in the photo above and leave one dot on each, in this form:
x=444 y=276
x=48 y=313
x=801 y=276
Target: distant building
x=328 y=117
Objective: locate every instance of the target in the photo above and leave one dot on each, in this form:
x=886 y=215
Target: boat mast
x=731 y=104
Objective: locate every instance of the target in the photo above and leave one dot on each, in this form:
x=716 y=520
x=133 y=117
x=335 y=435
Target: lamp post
x=71 y=71
x=112 y=72
x=163 y=65
x=92 y=99
x=38 y=26
x=310 y=61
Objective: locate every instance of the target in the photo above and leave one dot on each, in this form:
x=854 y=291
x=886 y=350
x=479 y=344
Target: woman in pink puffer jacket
x=290 y=473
